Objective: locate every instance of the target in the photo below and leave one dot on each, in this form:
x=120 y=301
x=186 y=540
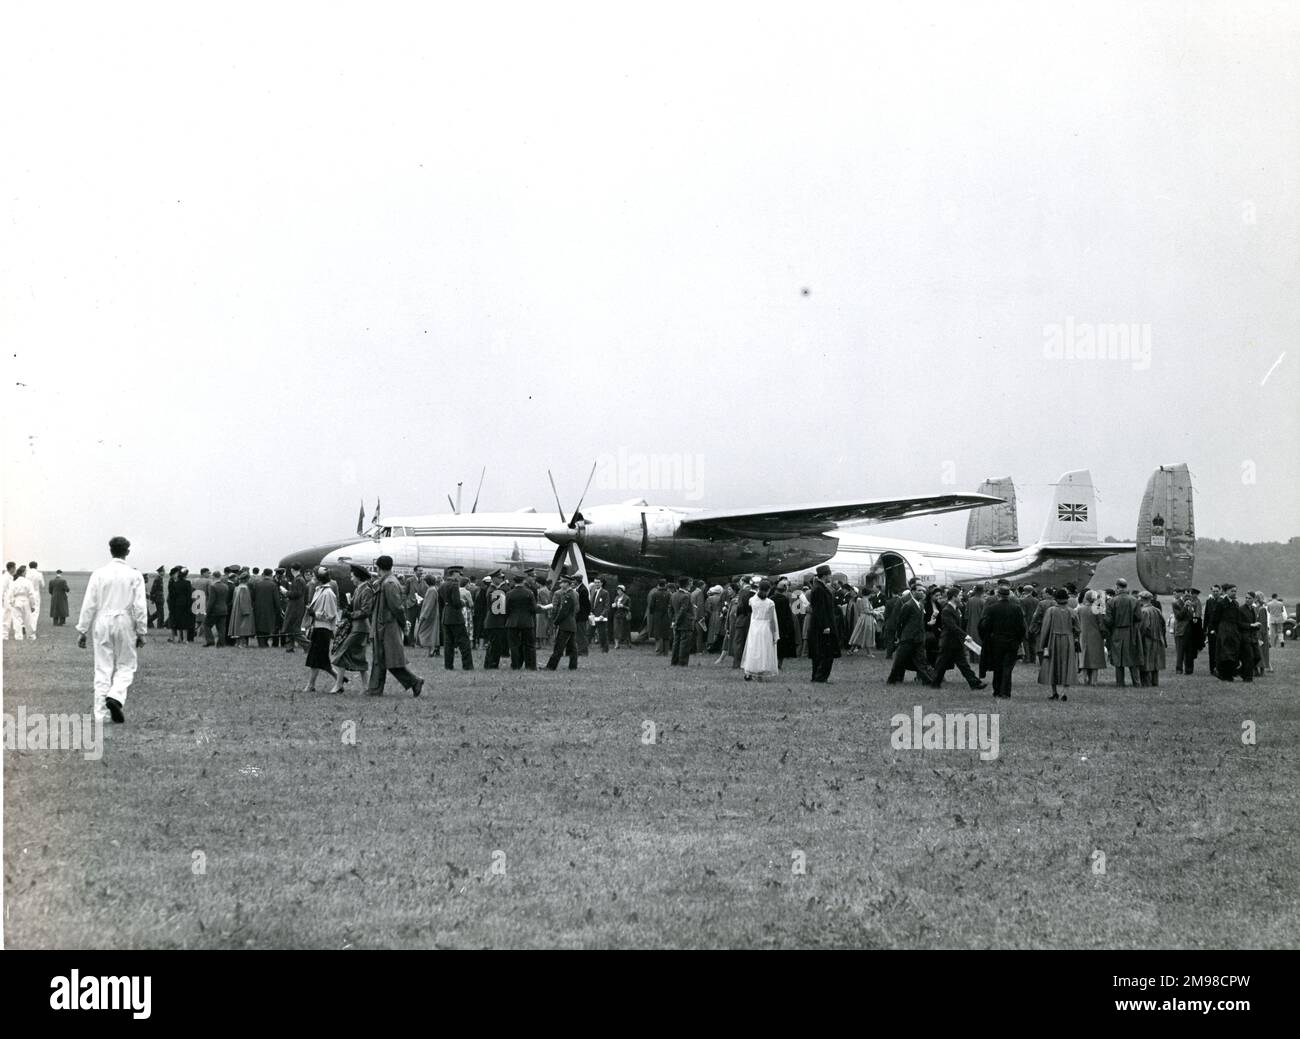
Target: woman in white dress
x=760 y=644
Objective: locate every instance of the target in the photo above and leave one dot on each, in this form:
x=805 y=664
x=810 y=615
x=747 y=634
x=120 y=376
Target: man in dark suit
x=564 y=610
x=952 y=641
x=823 y=639
x=1210 y=624
x=583 y=614
x=683 y=611
x=600 y=612
x=1002 y=634
x=494 y=622
x=454 y=635
x=910 y=655
x=521 y=625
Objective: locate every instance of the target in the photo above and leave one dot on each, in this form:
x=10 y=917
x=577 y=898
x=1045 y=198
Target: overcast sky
x=263 y=261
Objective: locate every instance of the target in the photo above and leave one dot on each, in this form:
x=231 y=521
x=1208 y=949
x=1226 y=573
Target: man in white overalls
x=113 y=613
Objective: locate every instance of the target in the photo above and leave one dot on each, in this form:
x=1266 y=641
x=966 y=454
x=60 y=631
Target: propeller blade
x=592 y=474
x=558 y=507
x=579 y=561
x=451 y=503
x=474 y=507
x=557 y=561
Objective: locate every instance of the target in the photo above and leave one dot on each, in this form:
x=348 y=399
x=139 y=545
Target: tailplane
x=1166 y=532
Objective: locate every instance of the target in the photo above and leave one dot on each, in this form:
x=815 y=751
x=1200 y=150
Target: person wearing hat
x=180 y=606
x=620 y=610
x=1122 y=628
x=113 y=613
x=354 y=626
x=494 y=621
x=1231 y=633
x=387 y=621
x=564 y=610
x=823 y=642
x=427 y=620
x=240 y=628
x=454 y=635
x=156 y=599
x=659 y=623
x=1058 y=634
x=219 y=593
x=58 y=589
x=1151 y=640
x=1002 y=633
x=521 y=625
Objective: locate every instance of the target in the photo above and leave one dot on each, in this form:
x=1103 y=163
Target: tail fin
x=1166 y=531
x=1073 y=519
x=994 y=526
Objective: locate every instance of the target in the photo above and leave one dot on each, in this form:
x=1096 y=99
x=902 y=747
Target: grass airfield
x=519 y=809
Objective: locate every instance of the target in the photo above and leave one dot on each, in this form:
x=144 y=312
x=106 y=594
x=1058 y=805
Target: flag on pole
x=361 y=516
x=376 y=519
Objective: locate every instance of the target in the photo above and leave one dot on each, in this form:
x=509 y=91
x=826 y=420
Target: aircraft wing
x=784 y=521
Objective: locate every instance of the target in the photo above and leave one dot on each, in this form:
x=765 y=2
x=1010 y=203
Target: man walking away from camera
x=113 y=614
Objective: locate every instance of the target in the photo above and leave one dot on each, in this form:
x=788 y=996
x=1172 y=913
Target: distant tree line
x=1268 y=566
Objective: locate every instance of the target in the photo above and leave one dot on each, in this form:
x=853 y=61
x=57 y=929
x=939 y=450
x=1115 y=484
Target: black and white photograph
x=708 y=476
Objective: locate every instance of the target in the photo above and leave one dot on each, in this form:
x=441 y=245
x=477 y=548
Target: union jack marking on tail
x=1072 y=513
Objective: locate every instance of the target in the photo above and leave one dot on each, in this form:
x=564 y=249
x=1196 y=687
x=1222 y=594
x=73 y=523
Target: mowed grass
x=605 y=840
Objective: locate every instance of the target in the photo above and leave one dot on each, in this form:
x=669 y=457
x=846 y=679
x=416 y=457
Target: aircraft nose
x=307 y=557
x=561 y=535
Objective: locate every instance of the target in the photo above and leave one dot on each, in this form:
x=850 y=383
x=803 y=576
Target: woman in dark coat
x=620 y=613
x=180 y=609
x=1058 y=661
x=58 y=589
x=786 y=643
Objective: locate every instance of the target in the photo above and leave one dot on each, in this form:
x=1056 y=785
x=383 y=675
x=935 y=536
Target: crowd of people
x=756 y=623
x=22 y=589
